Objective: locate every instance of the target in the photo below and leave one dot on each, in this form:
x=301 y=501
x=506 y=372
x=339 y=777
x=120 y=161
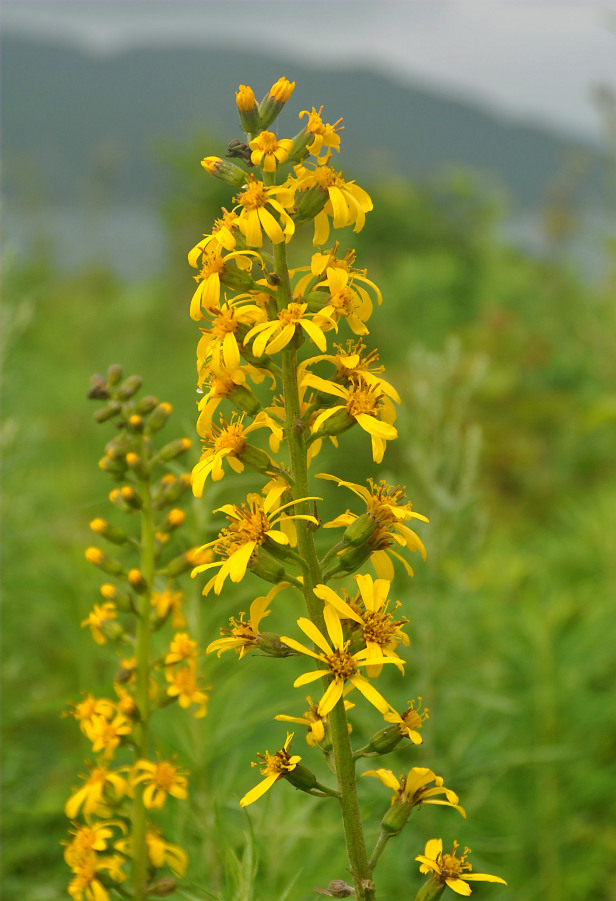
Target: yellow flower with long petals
x=386 y=515
x=88 y=838
x=410 y=721
x=449 y=869
x=228 y=442
x=270 y=337
x=160 y=779
x=314 y=722
x=106 y=734
x=85 y=881
x=221 y=238
x=99 y=619
x=325 y=136
x=380 y=632
x=185 y=687
x=338 y=663
x=214 y=272
x=161 y=853
x=242 y=636
x=258 y=204
x=413 y=789
x=363 y=403
x=268 y=151
x=218 y=346
x=346 y=301
x=251 y=526
x=92 y=796
x=347 y=203
x=276 y=767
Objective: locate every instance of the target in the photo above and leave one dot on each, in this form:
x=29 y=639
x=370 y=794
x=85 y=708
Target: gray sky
x=534 y=60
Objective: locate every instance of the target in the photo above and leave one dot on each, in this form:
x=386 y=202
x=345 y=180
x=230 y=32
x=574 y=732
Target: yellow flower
x=344 y=300
x=163 y=853
x=229 y=385
x=245 y=98
x=314 y=722
x=325 y=135
x=88 y=838
x=269 y=152
x=251 y=526
x=218 y=347
x=160 y=779
x=221 y=238
x=85 y=881
x=381 y=633
x=185 y=687
x=257 y=202
x=182 y=650
x=106 y=735
x=215 y=271
x=449 y=869
x=363 y=403
x=281 y=90
x=410 y=721
x=276 y=767
x=352 y=361
x=168 y=602
x=90 y=707
x=229 y=443
x=413 y=790
x=101 y=786
x=339 y=663
x=242 y=636
x=347 y=203
x=270 y=337
x=98 y=621
x=387 y=511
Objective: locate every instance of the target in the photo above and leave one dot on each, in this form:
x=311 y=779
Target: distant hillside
x=70 y=115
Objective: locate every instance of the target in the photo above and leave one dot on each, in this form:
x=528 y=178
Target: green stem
x=343 y=753
x=381 y=842
x=142 y=689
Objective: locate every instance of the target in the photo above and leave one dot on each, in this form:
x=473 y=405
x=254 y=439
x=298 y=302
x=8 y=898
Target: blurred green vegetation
x=507 y=368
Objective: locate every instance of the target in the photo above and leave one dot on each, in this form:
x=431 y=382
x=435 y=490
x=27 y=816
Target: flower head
x=269 y=152
x=102 y=789
x=264 y=209
x=242 y=636
x=387 y=512
x=449 y=869
x=414 y=788
x=324 y=135
x=272 y=336
x=347 y=203
x=337 y=662
x=276 y=767
x=160 y=779
x=410 y=722
x=380 y=633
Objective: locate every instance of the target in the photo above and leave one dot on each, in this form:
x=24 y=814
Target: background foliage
x=507 y=368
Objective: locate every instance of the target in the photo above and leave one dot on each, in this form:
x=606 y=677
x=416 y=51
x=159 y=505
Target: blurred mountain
x=69 y=118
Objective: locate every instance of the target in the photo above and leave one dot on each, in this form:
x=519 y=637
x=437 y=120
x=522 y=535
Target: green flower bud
x=384 y=741
x=129 y=387
x=176 y=566
x=135 y=462
x=396 y=817
x=174 y=449
x=113 y=465
x=266 y=568
x=158 y=418
x=146 y=404
x=120 y=598
x=110 y=532
x=171 y=491
x=98 y=388
x=338 y=422
x=114 y=375
x=256 y=459
x=360 y=530
x=431 y=890
x=270 y=644
x=273 y=102
x=352 y=557
x=301 y=777
x=245 y=400
x=110 y=410
x=248 y=109
x=237 y=279
x=107 y=564
x=137 y=581
x=311 y=203
x=166 y=885
x=226 y=171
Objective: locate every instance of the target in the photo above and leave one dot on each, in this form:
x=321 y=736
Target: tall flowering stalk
x=284 y=357
x=115 y=842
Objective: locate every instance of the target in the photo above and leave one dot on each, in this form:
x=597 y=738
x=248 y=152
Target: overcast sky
x=534 y=60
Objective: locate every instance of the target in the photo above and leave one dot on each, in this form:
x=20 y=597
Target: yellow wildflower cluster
x=112 y=842
x=283 y=354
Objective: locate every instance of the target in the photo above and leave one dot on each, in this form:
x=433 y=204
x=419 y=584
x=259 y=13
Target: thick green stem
x=142 y=690
x=343 y=753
